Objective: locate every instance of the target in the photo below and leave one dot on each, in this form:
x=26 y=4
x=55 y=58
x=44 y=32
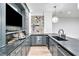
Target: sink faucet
x=61 y=33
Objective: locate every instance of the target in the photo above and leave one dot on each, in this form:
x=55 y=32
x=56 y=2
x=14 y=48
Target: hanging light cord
x=54 y=11
x=54 y=17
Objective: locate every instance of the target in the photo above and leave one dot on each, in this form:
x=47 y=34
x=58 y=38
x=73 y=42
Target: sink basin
x=59 y=38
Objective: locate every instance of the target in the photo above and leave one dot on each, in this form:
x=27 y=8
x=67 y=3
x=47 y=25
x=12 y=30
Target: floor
x=39 y=51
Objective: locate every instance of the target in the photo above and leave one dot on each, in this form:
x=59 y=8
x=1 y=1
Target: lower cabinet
x=56 y=49
x=52 y=47
x=38 y=40
x=16 y=52
x=23 y=49
x=26 y=47
x=62 y=52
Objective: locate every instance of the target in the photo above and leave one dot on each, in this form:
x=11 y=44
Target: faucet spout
x=61 y=33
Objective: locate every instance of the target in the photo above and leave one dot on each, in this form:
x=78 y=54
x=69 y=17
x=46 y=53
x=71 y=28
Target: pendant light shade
x=78 y=5
x=55 y=18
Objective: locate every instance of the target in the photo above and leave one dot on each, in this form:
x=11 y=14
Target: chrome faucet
x=61 y=33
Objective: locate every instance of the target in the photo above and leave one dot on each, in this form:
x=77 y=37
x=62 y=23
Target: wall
x=70 y=26
x=47 y=22
x=29 y=23
x=2 y=25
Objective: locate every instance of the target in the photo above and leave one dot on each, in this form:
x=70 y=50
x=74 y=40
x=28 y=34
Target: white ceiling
x=62 y=9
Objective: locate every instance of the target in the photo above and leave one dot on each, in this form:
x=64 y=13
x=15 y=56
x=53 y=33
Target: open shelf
x=13 y=32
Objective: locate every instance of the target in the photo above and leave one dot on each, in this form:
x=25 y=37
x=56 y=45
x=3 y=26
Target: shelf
x=13 y=32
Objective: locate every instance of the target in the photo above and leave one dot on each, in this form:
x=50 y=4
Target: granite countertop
x=71 y=44
x=6 y=50
x=39 y=34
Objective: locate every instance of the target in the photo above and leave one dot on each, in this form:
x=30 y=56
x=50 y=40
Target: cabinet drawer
x=16 y=51
x=62 y=51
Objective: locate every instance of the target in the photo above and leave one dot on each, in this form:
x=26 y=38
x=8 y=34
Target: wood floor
x=39 y=51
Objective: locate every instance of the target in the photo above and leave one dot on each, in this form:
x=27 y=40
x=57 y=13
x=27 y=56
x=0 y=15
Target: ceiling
x=62 y=9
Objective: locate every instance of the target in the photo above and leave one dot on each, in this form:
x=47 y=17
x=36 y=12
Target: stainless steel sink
x=59 y=38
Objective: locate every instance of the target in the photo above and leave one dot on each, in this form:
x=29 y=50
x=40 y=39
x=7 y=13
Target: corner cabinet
x=38 y=39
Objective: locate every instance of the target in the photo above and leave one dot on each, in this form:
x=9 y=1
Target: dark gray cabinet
x=52 y=47
x=23 y=49
x=26 y=46
x=56 y=49
x=62 y=52
x=38 y=40
x=16 y=52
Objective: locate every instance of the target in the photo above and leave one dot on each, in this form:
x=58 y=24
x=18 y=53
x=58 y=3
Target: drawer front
x=16 y=51
x=62 y=51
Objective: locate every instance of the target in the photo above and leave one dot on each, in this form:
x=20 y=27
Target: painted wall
x=47 y=22
x=70 y=26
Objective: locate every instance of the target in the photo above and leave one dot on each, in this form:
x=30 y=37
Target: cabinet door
x=19 y=53
x=24 y=51
x=38 y=40
x=26 y=46
x=52 y=47
x=16 y=52
x=33 y=38
x=44 y=38
x=59 y=53
x=47 y=42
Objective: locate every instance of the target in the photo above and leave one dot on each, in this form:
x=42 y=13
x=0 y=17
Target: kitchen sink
x=59 y=38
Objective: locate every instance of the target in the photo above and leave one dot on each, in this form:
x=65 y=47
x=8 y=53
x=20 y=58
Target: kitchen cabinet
x=23 y=49
x=56 y=49
x=62 y=52
x=33 y=38
x=16 y=52
x=38 y=40
x=52 y=47
x=44 y=40
x=26 y=46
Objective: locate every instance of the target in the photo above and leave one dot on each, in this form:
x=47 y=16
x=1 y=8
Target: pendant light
x=78 y=5
x=54 y=17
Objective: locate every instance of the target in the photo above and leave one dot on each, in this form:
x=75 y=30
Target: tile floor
x=39 y=51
